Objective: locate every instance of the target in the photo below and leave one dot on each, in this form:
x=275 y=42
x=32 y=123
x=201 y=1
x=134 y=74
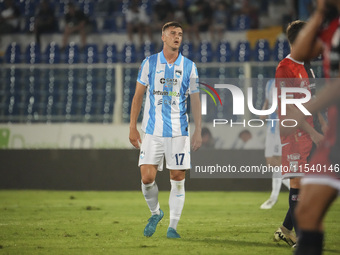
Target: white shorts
x=175 y=149
x=321 y=180
x=273 y=143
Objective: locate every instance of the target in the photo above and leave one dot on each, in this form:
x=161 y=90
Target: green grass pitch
x=68 y=222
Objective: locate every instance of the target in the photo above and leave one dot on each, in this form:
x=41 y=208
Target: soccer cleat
x=268 y=204
x=286 y=235
x=172 y=233
x=153 y=221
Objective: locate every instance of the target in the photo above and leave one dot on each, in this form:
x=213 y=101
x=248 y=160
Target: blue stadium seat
x=242 y=51
x=62 y=8
x=32 y=54
x=242 y=23
x=204 y=52
x=27 y=7
x=262 y=50
x=72 y=54
x=109 y=25
x=29 y=25
x=91 y=54
x=110 y=53
x=87 y=6
x=146 y=50
x=223 y=52
x=187 y=50
x=281 y=49
x=52 y=53
x=129 y=53
x=13 y=53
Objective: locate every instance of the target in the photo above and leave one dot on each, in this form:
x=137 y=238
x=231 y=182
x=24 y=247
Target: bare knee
x=148 y=173
x=147 y=179
x=177 y=175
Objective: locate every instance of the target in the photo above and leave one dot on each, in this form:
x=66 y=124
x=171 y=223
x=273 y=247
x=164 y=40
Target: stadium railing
x=102 y=93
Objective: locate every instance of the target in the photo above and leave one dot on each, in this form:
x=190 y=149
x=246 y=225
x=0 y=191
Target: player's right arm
x=136 y=106
x=307 y=46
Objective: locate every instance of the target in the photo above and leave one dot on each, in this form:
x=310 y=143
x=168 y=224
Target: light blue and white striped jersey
x=269 y=96
x=168 y=87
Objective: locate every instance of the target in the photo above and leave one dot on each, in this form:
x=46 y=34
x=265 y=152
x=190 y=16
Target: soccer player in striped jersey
x=168 y=78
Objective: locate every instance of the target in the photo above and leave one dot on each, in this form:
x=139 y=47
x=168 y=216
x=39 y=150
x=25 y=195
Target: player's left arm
x=196 y=140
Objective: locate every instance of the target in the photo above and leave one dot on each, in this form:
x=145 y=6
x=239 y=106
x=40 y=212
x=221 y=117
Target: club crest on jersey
x=178 y=73
x=293 y=166
x=142 y=154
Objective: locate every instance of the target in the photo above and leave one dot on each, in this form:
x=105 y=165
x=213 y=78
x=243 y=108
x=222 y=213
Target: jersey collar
x=292 y=59
x=177 y=62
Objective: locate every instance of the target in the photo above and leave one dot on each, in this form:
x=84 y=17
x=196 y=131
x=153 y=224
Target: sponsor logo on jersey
x=167 y=102
x=168 y=82
x=294 y=156
x=166 y=93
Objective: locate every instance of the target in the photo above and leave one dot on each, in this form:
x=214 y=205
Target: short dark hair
x=171 y=24
x=293 y=30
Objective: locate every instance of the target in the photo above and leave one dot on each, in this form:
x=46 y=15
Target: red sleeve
x=326 y=33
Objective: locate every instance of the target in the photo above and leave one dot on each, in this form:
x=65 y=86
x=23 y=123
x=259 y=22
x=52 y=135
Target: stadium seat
x=146 y=49
x=129 y=53
x=262 y=50
x=72 y=54
x=91 y=54
x=204 y=52
x=87 y=6
x=223 y=52
x=187 y=50
x=62 y=9
x=110 y=53
x=243 y=51
x=281 y=49
x=242 y=23
x=27 y=7
x=32 y=54
x=13 y=53
x=109 y=25
x=52 y=53
x=29 y=25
